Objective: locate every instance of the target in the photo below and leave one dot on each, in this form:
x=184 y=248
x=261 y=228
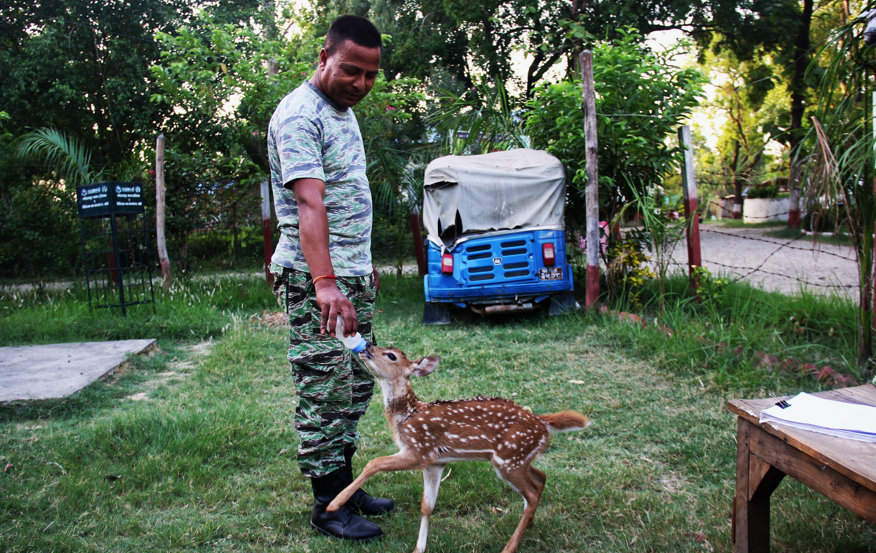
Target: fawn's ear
x=425 y=365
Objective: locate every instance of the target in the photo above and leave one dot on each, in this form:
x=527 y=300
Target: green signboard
x=109 y=198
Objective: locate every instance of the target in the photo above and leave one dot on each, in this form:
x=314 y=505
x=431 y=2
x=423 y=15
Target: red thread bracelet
x=317 y=279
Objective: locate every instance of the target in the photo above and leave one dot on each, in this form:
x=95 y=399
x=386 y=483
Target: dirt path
x=748 y=255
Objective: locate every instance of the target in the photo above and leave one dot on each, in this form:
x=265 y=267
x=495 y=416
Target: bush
x=214 y=249
x=633 y=150
x=39 y=234
x=627 y=272
x=763 y=191
x=819 y=218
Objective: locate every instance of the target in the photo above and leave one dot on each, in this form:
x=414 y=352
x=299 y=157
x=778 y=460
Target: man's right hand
x=313 y=226
x=332 y=302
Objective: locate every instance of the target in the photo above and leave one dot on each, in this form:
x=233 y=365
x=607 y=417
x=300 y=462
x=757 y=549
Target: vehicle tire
x=563 y=303
x=436 y=314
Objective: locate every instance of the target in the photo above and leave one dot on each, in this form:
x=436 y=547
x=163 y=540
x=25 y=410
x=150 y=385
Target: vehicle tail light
x=447 y=264
x=547 y=253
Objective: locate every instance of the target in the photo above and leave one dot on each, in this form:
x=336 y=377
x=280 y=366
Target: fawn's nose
x=368 y=352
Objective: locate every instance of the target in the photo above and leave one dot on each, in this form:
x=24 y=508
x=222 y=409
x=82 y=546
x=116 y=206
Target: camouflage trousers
x=333 y=385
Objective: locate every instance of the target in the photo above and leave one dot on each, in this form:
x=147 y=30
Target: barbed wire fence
x=393 y=249
x=739 y=273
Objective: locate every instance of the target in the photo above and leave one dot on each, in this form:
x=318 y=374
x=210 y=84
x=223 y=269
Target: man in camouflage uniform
x=322 y=265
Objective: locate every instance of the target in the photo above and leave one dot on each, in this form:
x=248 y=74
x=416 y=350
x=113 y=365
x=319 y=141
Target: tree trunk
x=798 y=105
x=794 y=189
x=737 y=185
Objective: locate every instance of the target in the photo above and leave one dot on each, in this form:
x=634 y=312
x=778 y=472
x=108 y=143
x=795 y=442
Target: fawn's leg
x=530 y=486
x=538 y=478
x=399 y=461
x=431 y=483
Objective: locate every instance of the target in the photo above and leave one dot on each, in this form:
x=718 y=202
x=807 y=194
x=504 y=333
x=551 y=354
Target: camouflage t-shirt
x=312 y=137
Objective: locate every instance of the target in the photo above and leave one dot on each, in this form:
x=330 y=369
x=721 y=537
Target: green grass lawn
x=206 y=462
x=739 y=223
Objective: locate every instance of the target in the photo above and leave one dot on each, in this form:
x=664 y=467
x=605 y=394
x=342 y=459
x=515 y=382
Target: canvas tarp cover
x=497 y=191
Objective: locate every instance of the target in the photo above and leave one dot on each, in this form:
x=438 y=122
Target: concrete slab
x=57 y=370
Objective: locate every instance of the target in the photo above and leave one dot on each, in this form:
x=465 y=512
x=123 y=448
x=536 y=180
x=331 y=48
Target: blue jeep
x=496 y=235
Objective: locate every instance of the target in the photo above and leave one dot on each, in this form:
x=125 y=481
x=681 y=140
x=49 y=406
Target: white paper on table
x=808 y=412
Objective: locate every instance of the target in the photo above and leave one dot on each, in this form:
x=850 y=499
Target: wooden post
x=794 y=186
x=273 y=68
x=418 y=242
x=691 y=205
x=591 y=195
x=163 y=258
x=267 y=239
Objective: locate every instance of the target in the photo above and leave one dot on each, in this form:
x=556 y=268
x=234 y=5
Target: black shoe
x=361 y=502
x=343 y=523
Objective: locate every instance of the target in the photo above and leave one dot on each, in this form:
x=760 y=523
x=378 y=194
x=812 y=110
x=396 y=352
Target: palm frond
x=69 y=159
x=393 y=178
x=130 y=170
x=480 y=120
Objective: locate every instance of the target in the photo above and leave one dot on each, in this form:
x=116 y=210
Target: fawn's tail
x=567 y=421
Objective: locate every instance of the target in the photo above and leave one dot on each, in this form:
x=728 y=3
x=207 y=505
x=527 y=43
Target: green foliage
x=79 y=73
x=819 y=218
x=719 y=339
x=764 y=191
x=755 y=102
x=209 y=191
x=627 y=271
x=433 y=40
x=641 y=101
x=83 y=68
x=711 y=288
x=391 y=122
x=68 y=158
x=209 y=66
x=39 y=233
x=663 y=228
x=239 y=248
x=483 y=119
x=841 y=171
x=467 y=40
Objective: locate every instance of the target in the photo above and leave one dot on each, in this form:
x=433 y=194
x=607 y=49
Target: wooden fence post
x=267 y=238
x=794 y=189
x=418 y=242
x=163 y=258
x=591 y=194
x=273 y=68
x=691 y=205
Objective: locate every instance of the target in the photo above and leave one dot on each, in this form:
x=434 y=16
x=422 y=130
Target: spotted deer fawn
x=431 y=435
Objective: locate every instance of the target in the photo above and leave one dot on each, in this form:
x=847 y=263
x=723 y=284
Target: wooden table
x=842 y=470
